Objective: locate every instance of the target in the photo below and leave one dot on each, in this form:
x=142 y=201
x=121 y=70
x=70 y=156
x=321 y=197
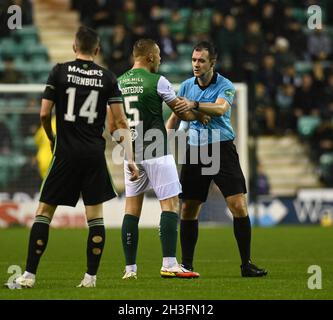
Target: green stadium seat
x=306 y=125
x=37 y=52
x=303 y=67
x=185 y=50
x=27 y=33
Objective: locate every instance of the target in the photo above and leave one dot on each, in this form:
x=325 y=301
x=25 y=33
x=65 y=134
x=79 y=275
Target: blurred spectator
x=265 y=111
x=96 y=13
x=178 y=26
x=10 y=74
x=284 y=102
x=327 y=107
x=6 y=143
x=200 y=23
x=269 y=75
x=31 y=118
x=322 y=140
x=320 y=45
x=297 y=39
x=269 y=17
x=289 y=76
x=283 y=55
x=253 y=34
x=262 y=184
x=228 y=41
x=29 y=178
x=166 y=43
x=305 y=102
x=120 y=50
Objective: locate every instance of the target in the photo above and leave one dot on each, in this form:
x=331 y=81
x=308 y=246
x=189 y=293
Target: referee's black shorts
x=228 y=177
x=68 y=177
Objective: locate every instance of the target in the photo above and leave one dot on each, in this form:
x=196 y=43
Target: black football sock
x=242 y=232
x=189 y=231
x=95 y=244
x=39 y=236
x=168 y=233
x=130 y=238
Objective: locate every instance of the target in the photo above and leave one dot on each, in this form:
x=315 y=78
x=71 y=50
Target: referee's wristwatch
x=196 y=105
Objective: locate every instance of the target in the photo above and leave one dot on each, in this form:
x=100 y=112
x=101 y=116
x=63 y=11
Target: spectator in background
x=253 y=34
x=289 y=76
x=264 y=110
x=228 y=41
x=166 y=43
x=294 y=33
x=305 y=102
x=327 y=107
x=283 y=55
x=284 y=103
x=10 y=74
x=320 y=45
x=262 y=182
x=178 y=26
x=6 y=142
x=322 y=140
x=269 y=18
x=269 y=75
x=120 y=51
x=95 y=13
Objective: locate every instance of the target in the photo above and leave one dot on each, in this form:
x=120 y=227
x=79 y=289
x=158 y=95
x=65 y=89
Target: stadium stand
x=287 y=67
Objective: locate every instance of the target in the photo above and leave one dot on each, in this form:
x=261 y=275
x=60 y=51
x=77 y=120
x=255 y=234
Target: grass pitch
x=287 y=253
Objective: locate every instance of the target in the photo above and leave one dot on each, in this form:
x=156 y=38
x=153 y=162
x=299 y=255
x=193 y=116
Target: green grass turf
x=286 y=252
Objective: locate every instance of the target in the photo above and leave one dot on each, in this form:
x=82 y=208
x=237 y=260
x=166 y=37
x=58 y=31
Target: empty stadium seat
x=307 y=124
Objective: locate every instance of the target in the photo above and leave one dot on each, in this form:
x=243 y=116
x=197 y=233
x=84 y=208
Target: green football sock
x=130 y=238
x=168 y=233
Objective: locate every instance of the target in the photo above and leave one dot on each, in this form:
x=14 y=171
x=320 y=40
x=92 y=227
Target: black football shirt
x=81 y=90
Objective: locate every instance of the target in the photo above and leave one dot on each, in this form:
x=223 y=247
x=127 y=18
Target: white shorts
x=159 y=174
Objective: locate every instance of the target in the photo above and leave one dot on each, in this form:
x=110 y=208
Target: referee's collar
x=213 y=80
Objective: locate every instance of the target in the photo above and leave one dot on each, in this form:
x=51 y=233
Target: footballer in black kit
x=81 y=91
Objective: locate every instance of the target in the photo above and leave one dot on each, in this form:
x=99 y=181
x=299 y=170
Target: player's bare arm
x=46 y=117
x=118 y=125
x=216 y=109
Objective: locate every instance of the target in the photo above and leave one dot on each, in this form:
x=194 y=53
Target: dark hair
x=86 y=40
x=143 y=46
x=205 y=45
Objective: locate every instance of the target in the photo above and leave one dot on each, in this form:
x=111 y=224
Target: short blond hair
x=143 y=46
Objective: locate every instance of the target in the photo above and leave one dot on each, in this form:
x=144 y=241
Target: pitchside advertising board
x=310 y=206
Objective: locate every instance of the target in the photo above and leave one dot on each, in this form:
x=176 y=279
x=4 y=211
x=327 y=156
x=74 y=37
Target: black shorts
x=228 y=176
x=70 y=177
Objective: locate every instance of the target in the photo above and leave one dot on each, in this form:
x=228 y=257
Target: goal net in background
x=24 y=149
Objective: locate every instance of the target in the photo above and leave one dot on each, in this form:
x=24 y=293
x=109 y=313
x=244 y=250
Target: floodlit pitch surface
x=287 y=253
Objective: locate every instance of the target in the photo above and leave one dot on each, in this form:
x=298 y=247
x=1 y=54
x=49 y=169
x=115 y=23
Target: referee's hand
x=134 y=171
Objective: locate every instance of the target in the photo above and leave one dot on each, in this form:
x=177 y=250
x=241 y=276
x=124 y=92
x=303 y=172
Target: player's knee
x=190 y=211
x=238 y=209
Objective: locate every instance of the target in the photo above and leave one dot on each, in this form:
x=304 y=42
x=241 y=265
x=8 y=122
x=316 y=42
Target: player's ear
x=150 y=57
x=74 y=48
x=97 y=51
x=212 y=63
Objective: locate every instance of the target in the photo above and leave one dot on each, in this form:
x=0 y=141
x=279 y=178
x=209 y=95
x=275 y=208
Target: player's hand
x=184 y=105
x=134 y=171
x=204 y=118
